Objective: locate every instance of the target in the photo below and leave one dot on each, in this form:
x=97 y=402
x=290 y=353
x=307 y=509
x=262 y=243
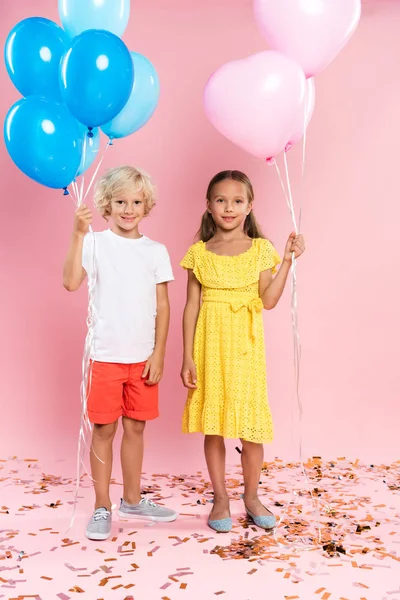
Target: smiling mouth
x=229 y=218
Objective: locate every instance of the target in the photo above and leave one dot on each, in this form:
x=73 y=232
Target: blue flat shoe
x=221 y=525
x=265 y=522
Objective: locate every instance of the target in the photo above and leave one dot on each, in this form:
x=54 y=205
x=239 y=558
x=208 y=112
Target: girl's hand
x=295 y=245
x=188 y=374
x=153 y=370
x=83 y=218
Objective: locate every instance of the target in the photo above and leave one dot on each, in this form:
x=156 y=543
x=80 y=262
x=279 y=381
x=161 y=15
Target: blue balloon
x=142 y=102
x=89 y=148
x=43 y=139
x=79 y=15
x=32 y=54
x=96 y=77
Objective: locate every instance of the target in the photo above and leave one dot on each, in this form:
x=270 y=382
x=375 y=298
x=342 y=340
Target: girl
x=230 y=281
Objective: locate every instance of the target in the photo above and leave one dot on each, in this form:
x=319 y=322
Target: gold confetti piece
x=47 y=578
x=320 y=590
x=326 y=596
x=70 y=544
x=252 y=572
x=183 y=586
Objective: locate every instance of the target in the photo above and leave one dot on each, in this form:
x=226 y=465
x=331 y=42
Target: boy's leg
x=215 y=452
x=132 y=458
x=104 y=408
x=101 y=456
x=140 y=405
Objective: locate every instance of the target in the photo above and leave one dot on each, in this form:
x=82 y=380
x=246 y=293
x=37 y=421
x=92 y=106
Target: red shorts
x=119 y=390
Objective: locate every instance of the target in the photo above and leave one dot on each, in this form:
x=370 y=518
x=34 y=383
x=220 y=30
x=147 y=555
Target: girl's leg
x=132 y=459
x=252 y=460
x=102 y=442
x=214 y=449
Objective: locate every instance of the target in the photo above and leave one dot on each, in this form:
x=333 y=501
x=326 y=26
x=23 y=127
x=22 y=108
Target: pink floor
x=358 y=511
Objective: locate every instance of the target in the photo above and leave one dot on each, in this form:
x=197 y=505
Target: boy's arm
x=155 y=365
x=74 y=273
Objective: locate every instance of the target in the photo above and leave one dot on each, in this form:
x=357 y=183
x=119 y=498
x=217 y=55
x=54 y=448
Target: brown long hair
x=208 y=228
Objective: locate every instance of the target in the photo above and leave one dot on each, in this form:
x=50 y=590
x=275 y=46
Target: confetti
x=359 y=524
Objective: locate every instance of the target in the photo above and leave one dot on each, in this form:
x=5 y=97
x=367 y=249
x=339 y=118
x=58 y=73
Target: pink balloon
x=255 y=102
x=312 y=32
x=305 y=114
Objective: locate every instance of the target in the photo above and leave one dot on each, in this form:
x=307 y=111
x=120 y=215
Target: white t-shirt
x=125 y=305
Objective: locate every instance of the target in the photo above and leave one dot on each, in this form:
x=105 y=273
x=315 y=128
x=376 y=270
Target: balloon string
x=75 y=192
x=97 y=170
x=305 y=545
x=303 y=162
x=85 y=428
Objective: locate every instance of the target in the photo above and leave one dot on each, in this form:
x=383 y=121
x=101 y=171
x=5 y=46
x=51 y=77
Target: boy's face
x=127 y=209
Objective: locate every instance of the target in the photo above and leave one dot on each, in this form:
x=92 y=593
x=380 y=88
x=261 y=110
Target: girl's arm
x=190 y=317
x=271 y=288
x=155 y=365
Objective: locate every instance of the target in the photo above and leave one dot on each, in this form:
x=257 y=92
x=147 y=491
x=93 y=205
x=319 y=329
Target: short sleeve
x=188 y=261
x=163 y=268
x=268 y=256
x=87 y=254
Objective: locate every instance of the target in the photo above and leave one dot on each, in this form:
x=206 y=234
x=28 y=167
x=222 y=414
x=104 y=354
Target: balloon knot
x=270 y=161
x=110 y=142
x=90 y=132
x=288 y=146
x=66 y=192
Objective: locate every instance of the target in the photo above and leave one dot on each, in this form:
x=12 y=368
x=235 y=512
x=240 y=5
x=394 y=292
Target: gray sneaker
x=147 y=510
x=99 y=526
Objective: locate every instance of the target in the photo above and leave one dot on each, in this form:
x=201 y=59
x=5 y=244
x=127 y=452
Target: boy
x=131 y=309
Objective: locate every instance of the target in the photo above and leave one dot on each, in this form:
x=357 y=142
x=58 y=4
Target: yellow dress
x=231 y=396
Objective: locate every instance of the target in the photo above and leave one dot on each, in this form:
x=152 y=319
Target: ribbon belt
x=251 y=303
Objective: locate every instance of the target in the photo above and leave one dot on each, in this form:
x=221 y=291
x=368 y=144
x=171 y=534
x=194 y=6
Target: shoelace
x=100 y=515
x=149 y=503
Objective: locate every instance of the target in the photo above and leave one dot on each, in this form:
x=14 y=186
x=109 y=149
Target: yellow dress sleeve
x=188 y=261
x=268 y=256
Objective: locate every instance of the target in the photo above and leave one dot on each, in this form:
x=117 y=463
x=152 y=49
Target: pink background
x=348 y=280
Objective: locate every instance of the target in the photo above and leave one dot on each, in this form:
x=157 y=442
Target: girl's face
x=229 y=204
x=128 y=209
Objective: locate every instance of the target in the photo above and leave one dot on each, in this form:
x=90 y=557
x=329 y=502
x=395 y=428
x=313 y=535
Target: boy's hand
x=83 y=218
x=295 y=245
x=153 y=370
x=188 y=375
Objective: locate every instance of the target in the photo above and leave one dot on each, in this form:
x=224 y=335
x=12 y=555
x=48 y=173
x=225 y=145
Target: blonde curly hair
x=123 y=179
